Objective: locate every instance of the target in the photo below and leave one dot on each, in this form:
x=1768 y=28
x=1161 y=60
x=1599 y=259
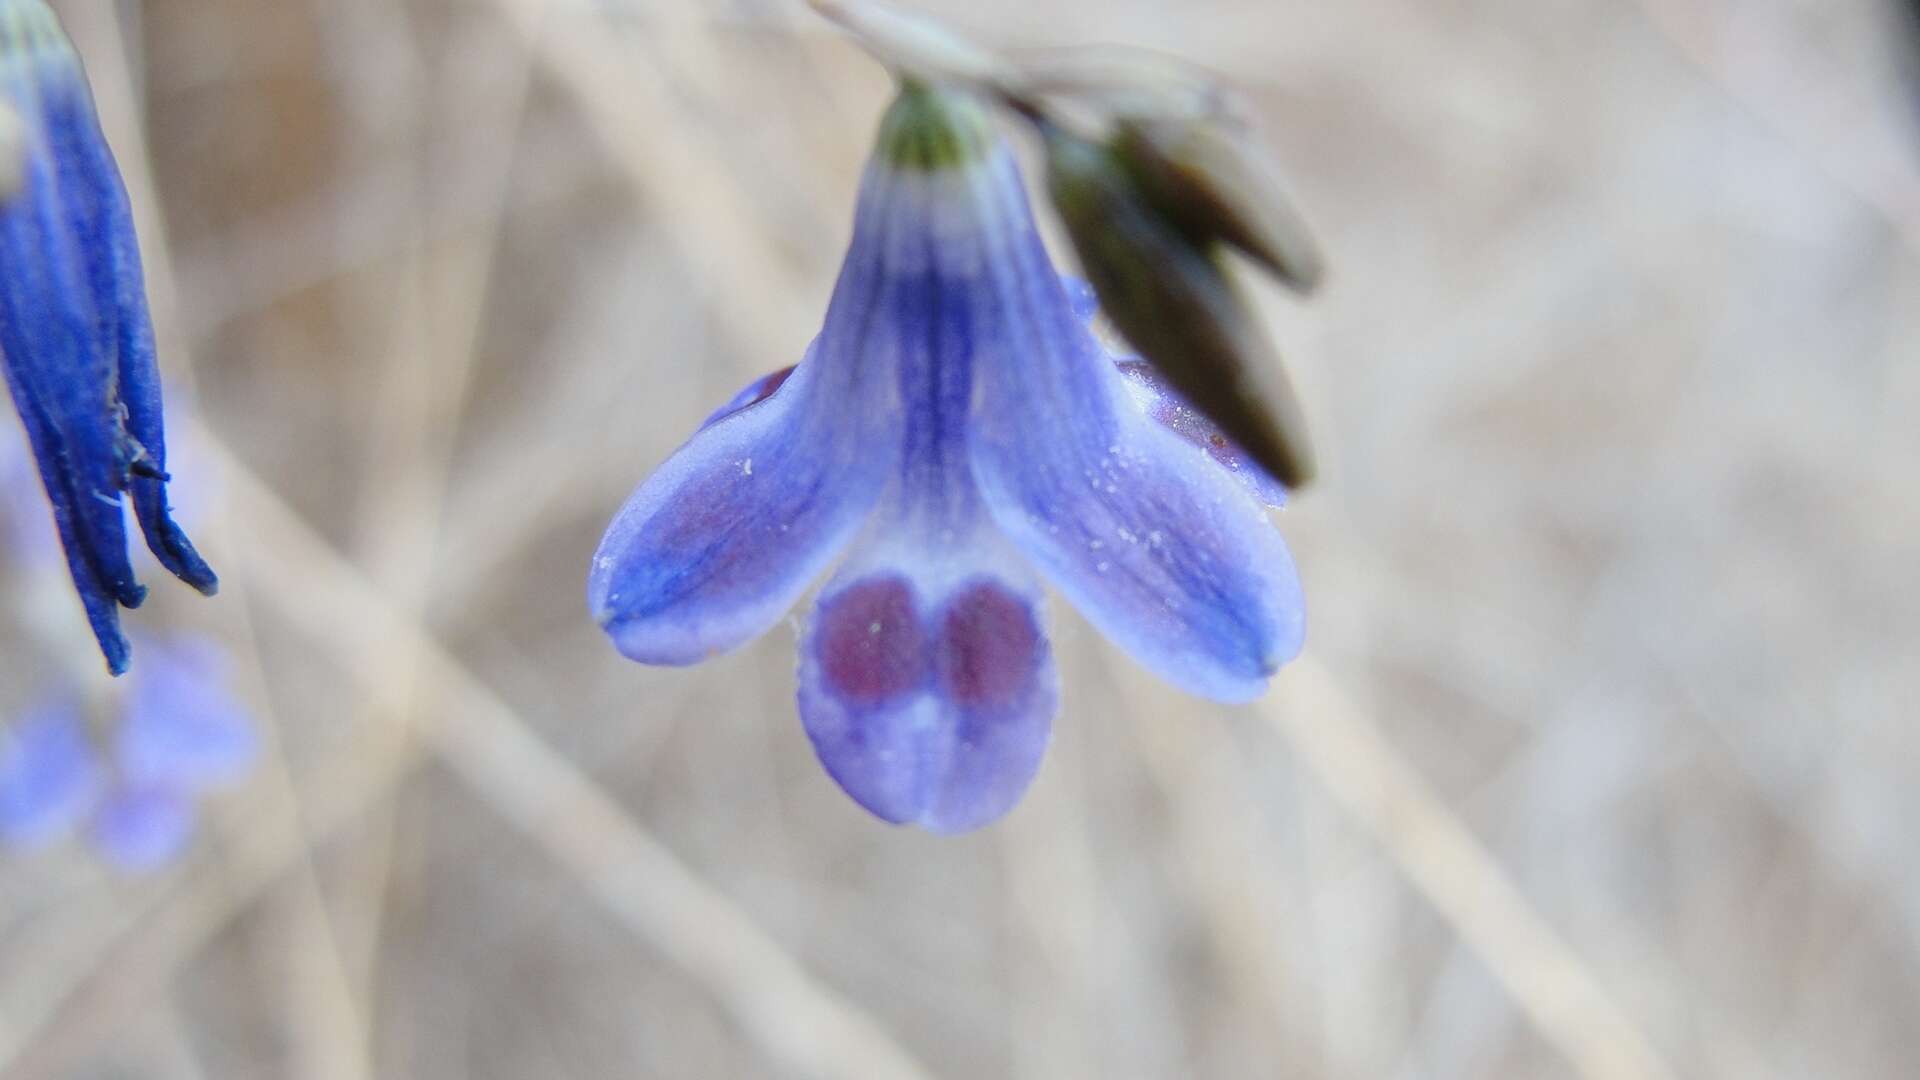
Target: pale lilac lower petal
x=926 y=681
x=140 y=829
x=49 y=776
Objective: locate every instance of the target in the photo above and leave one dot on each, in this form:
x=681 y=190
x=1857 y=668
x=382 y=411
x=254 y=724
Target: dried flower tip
x=1167 y=293
x=915 y=45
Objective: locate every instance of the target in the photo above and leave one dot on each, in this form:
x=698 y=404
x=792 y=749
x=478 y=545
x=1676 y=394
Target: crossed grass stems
x=110 y=955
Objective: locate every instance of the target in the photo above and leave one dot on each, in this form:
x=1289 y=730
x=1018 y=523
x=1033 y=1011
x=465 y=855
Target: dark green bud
x=1212 y=177
x=1160 y=279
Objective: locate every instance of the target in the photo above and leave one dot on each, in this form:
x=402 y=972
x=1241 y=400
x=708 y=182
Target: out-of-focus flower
x=76 y=343
x=180 y=734
x=955 y=427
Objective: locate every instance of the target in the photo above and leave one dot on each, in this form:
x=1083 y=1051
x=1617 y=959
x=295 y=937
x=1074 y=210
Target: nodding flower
x=956 y=435
x=76 y=342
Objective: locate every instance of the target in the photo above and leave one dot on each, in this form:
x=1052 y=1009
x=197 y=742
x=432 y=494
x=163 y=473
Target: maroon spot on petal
x=990 y=648
x=869 y=641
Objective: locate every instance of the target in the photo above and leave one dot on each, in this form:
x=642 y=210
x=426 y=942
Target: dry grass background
x=1602 y=763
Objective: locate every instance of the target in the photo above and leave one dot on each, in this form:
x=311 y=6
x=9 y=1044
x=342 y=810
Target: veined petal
x=1160 y=548
x=926 y=682
x=721 y=540
x=929 y=690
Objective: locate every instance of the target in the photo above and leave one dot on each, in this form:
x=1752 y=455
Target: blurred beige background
x=1602 y=762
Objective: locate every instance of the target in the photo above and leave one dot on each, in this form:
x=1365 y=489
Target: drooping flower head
x=958 y=433
x=76 y=342
x=178 y=733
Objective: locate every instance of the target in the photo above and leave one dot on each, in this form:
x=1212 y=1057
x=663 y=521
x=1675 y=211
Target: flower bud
x=1214 y=178
x=1188 y=141
x=1160 y=279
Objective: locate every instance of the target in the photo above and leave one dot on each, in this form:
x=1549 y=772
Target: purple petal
x=926 y=682
x=143 y=828
x=928 y=687
x=721 y=540
x=49 y=776
x=1160 y=548
x=183 y=729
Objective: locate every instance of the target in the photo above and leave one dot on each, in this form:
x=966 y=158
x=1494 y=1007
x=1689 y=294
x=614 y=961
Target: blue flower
x=49 y=776
x=180 y=734
x=76 y=343
x=959 y=433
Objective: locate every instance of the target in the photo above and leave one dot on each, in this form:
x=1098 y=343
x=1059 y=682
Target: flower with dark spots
x=870 y=643
x=991 y=648
x=76 y=342
x=955 y=435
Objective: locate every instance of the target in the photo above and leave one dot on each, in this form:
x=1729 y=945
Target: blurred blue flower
x=955 y=427
x=180 y=734
x=49 y=776
x=76 y=343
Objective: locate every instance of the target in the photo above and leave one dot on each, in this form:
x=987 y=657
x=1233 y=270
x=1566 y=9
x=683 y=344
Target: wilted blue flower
x=76 y=343
x=180 y=733
x=955 y=427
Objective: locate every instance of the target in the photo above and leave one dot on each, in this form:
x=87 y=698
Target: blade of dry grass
x=1550 y=983
x=320 y=1002
x=796 y=1020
